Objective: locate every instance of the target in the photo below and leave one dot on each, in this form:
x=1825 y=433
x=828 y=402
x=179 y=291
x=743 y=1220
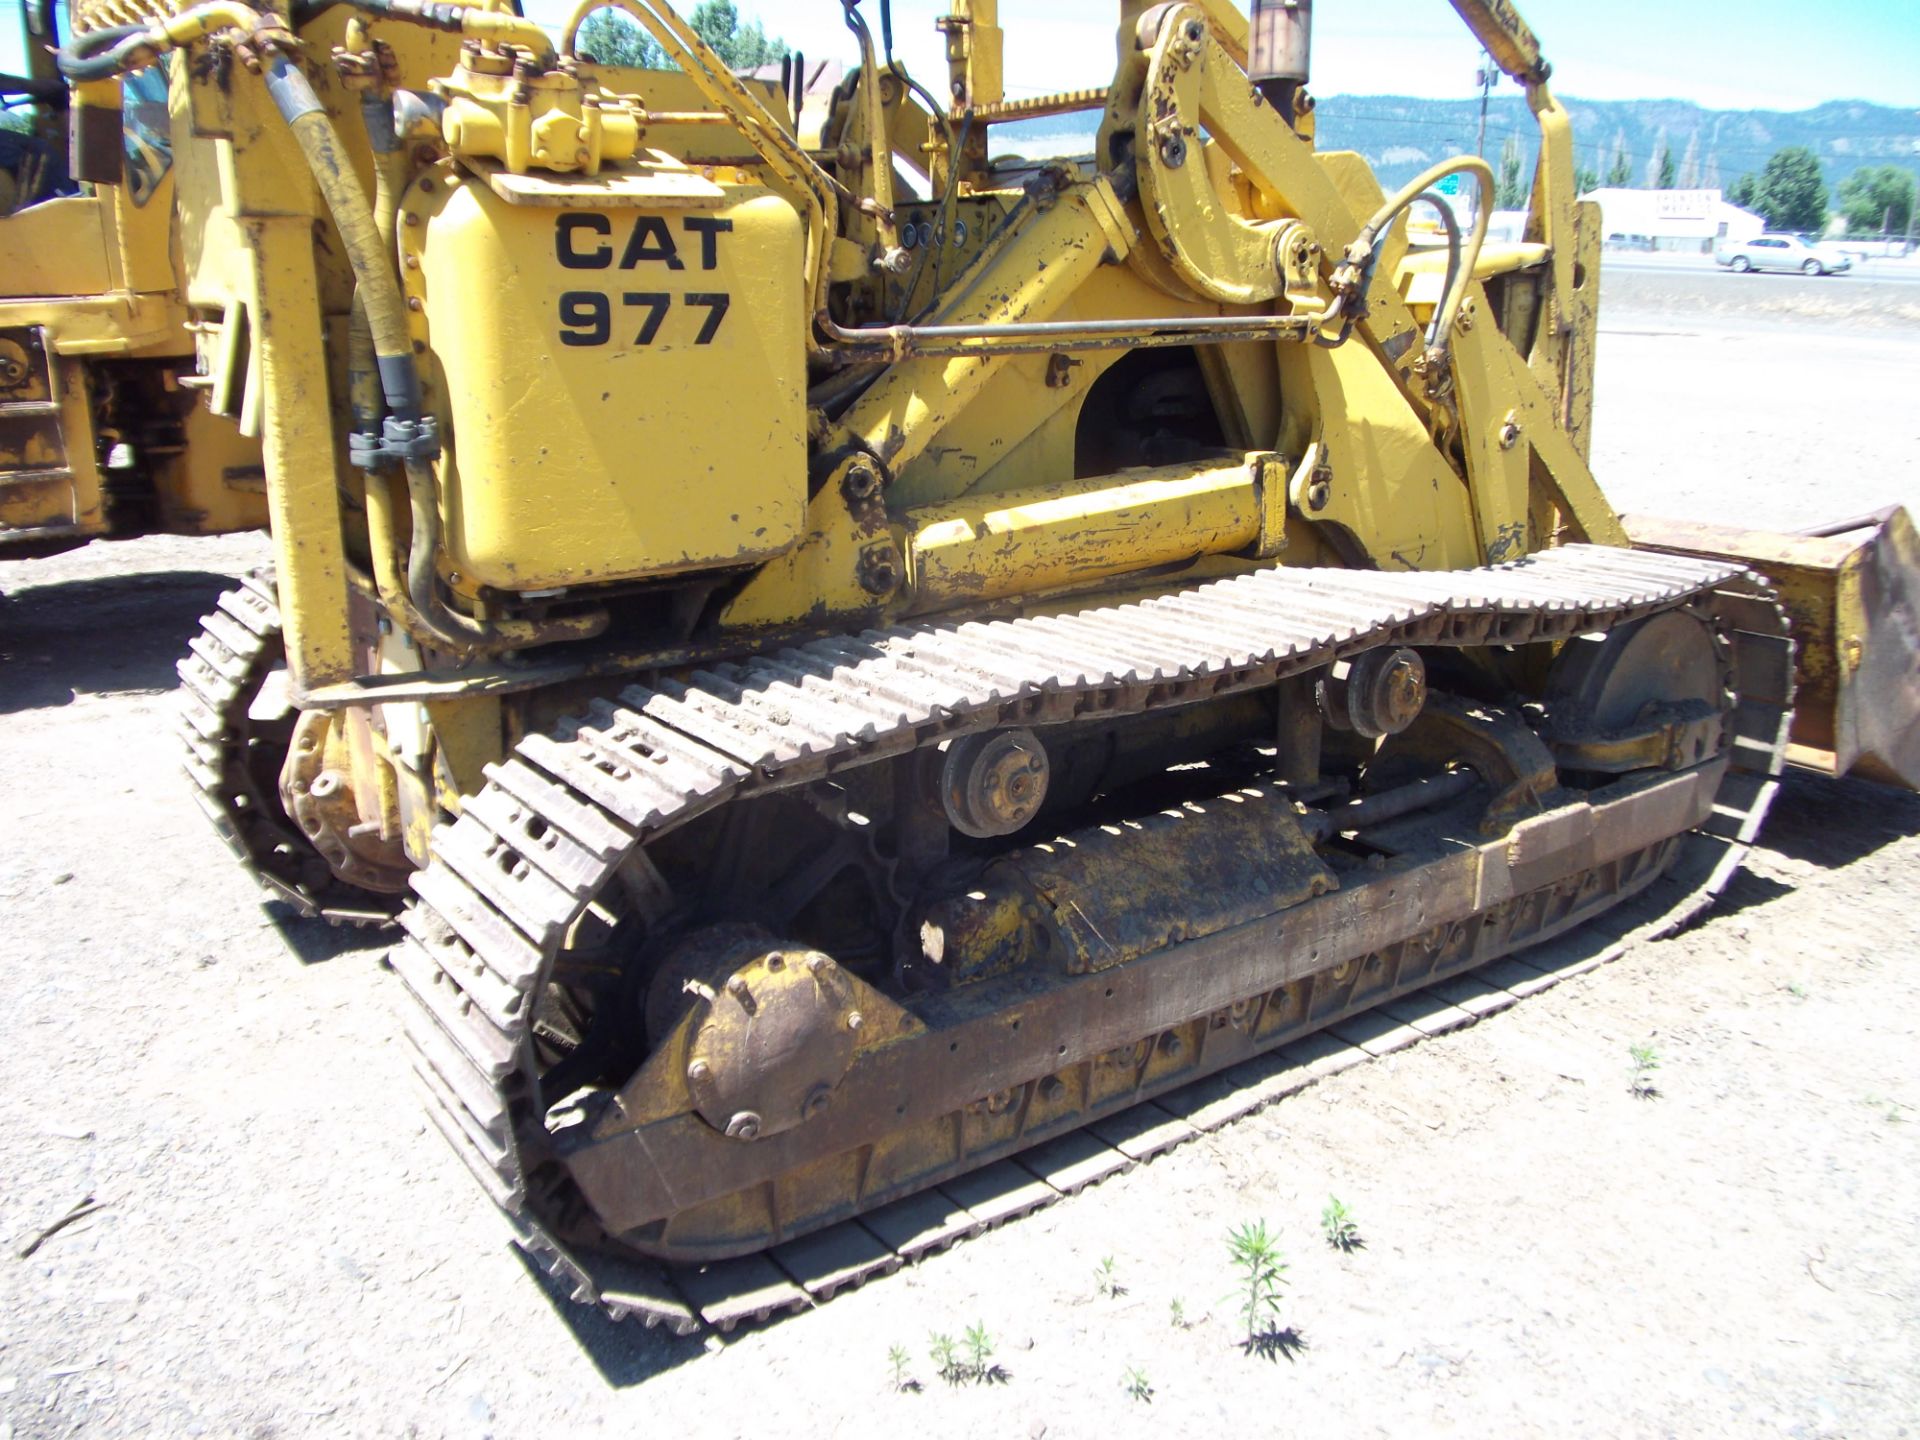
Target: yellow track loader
x=104 y=430
x=866 y=658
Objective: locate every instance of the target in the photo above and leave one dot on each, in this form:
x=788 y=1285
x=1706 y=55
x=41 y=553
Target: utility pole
x=1486 y=77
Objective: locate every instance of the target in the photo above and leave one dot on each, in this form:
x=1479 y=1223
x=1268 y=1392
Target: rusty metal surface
x=1034 y=107
x=1853 y=600
x=484 y=933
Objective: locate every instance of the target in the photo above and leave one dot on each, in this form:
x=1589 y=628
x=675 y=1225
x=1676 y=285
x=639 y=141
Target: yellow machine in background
x=864 y=657
x=102 y=427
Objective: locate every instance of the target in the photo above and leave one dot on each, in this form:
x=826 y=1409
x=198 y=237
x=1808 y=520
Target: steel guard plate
x=621 y=367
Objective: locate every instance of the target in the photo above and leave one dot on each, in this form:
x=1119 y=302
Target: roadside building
x=1686 y=221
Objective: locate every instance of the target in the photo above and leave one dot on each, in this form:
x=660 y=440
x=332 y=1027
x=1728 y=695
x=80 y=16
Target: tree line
x=612 y=39
x=1789 y=191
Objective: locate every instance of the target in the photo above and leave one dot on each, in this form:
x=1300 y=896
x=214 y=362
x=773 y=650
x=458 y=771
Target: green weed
x=946 y=1359
x=1136 y=1384
x=1262 y=1276
x=1646 y=1060
x=970 y=1359
x=1337 y=1224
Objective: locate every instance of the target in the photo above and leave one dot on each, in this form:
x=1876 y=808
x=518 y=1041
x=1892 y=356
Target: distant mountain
x=1402 y=136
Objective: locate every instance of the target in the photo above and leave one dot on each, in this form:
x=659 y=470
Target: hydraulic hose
x=1450 y=223
x=879 y=146
x=1440 y=332
x=103 y=54
x=363 y=374
x=353 y=218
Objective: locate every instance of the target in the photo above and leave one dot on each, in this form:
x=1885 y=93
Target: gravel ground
x=282 y=1249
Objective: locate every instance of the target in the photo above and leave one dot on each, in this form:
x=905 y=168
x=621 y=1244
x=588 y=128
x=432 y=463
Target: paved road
x=1899 y=271
x=1889 y=284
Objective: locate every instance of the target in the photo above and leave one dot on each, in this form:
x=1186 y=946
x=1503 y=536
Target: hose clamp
x=400 y=442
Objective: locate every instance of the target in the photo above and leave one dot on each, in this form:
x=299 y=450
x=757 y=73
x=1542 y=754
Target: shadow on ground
x=112 y=635
x=1274 y=1344
x=1830 y=823
x=625 y=1352
x=1744 y=891
x=314 y=942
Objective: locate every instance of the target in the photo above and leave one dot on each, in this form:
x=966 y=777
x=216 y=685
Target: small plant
x=1106 y=1281
x=1256 y=1255
x=1177 y=1315
x=1136 y=1384
x=970 y=1359
x=898 y=1358
x=946 y=1359
x=1641 y=1083
x=979 y=1351
x=1336 y=1223
x=1797 y=990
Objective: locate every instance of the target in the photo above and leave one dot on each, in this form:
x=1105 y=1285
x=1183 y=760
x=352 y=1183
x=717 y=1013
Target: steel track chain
x=555 y=821
x=225 y=666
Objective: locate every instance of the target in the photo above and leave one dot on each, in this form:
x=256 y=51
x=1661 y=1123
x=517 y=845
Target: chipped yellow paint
x=1025 y=541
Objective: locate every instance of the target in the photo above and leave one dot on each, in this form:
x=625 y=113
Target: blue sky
x=1765 y=54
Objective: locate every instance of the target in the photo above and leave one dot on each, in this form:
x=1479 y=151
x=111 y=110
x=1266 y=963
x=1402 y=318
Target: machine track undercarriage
x=549 y=931
x=240 y=728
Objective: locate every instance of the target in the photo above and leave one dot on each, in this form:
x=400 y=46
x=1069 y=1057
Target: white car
x=1782 y=252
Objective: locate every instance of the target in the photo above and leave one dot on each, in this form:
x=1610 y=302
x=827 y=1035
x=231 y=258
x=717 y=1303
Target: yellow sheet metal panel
x=623 y=370
x=58 y=247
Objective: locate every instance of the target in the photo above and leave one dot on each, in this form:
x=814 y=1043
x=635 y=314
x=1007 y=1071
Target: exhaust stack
x=1279 y=48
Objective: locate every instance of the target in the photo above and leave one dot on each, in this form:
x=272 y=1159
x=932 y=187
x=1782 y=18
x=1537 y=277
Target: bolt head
x=737 y=987
x=744 y=1126
x=698 y=1071
x=855 y=1020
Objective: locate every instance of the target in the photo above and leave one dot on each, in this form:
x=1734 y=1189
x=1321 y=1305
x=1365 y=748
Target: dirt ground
x=283 y=1249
